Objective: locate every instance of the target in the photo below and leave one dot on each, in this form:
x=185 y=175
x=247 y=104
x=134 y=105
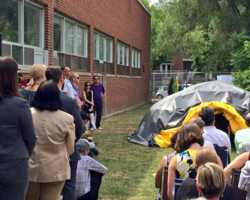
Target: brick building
x=110 y=38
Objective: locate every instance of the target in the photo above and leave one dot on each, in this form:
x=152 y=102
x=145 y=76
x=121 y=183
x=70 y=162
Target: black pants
x=93 y=152
x=98 y=111
x=69 y=188
x=96 y=180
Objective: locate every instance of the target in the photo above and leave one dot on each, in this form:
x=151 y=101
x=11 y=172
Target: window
x=136 y=58
x=22 y=25
x=32 y=25
x=122 y=54
x=57 y=33
x=103 y=47
x=70 y=37
x=9 y=22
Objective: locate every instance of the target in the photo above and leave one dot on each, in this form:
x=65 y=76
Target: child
x=89 y=173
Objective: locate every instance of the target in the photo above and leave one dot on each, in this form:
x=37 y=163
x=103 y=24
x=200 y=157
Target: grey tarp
x=172 y=110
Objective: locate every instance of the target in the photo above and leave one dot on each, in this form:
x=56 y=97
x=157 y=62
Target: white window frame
x=136 y=56
x=106 y=39
x=21 y=30
x=76 y=25
x=124 y=52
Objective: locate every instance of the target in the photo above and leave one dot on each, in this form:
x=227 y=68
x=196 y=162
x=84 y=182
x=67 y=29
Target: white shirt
x=210 y=145
x=241 y=137
x=83 y=181
x=216 y=136
x=68 y=88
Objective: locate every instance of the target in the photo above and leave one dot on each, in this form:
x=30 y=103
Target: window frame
x=76 y=25
x=106 y=38
x=20 y=42
x=125 y=53
x=136 y=56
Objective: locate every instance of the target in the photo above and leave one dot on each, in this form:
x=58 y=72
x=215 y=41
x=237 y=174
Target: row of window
x=22 y=24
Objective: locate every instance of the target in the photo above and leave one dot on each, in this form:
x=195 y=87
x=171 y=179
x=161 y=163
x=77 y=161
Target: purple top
x=97 y=90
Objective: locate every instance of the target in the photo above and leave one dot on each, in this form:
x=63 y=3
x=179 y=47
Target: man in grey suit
x=69 y=106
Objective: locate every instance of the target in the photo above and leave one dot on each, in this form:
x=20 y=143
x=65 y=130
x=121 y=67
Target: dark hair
x=198 y=121
x=8 y=78
x=84 y=115
x=85 y=86
x=53 y=73
x=95 y=76
x=63 y=68
x=173 y=140
x=248 y=119
x=189 y=134
x=207 y=115
x=47 y=97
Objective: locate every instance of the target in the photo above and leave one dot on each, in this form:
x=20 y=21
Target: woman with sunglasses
x=88 y=99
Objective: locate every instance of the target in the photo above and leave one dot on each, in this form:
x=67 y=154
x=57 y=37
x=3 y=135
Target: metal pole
x=1 y=34
x=186 y=77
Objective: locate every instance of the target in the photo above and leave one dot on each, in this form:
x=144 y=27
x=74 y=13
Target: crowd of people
x=47 y=150
x=199 y=147
x=46 y=147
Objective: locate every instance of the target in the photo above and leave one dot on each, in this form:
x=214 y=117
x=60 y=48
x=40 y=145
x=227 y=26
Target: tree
x=204 y=29
x=157 y=17
x=242 y=78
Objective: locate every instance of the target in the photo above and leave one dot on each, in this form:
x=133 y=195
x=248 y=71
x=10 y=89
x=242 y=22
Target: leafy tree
x=242 y=78
x=238 y=44
x=157 y=17
x=204 y=29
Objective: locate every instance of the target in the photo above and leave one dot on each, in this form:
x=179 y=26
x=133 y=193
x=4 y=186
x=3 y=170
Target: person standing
x=17 y=138
x=88 y=99
x=49 y=162
x=69 y=106
x=99 y=94
x=75 y=80
x=68 y=88
x=37 y=76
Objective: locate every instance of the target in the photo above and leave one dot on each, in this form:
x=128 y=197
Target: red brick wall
x=177 y=62
x=124 y=20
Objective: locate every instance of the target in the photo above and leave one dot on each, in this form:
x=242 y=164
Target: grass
x=130 y=166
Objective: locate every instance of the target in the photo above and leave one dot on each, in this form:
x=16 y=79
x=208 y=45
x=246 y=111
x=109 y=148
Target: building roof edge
x=144 y=7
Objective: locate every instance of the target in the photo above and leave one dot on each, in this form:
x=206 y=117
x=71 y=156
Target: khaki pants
x=44 y=191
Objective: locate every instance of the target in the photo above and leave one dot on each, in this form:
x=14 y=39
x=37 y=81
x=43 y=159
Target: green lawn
x=130 y=166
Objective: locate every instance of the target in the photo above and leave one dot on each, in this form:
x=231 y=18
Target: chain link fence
x=160 y=80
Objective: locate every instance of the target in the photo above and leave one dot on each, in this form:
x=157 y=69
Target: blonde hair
x=211 y=180
x=204 y=155
x=36 y=71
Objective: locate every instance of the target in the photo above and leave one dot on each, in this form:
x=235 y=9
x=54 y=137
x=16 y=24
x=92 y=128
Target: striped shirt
x=83 y=178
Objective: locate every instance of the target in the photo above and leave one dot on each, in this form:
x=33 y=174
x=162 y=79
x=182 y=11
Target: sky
x=153 y=1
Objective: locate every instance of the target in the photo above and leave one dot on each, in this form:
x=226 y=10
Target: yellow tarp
x=229 y=112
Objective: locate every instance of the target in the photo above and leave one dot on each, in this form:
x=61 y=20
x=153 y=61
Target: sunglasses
x=78 y=77
x=96 y=78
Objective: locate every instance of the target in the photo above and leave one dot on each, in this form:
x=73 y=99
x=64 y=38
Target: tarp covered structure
x=166 y=117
